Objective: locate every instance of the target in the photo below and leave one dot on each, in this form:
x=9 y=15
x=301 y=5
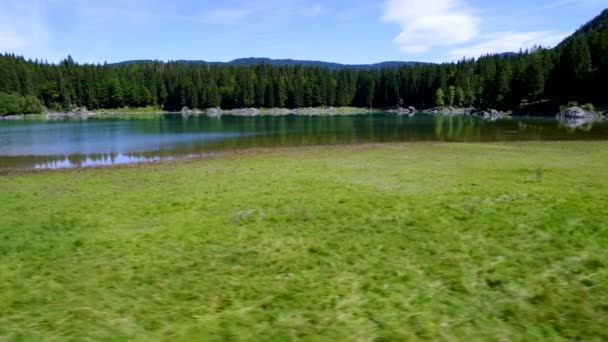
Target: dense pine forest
x=575 y=70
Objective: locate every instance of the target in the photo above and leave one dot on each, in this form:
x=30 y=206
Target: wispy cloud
x=556 y=4
x=229 y=13
x=22 y=29
x=429 y=23
x=567 y=3
x=314 y=11
x=264 y=10
x=499 y=42
x=225 y=16
x=356 y=11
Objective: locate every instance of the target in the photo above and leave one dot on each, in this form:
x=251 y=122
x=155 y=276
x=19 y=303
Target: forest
x=575 y=70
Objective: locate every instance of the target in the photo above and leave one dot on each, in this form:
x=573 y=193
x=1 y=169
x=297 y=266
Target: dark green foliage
x=11 y=103
x=439 y=98
x=576 y=69
x=589 y=107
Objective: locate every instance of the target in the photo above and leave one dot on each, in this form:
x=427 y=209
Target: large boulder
x=573 y=113
x=470 y=110
x=489 y=114
x=577 y=117
x=214 y=112
x=403 y=111
x=79 y=113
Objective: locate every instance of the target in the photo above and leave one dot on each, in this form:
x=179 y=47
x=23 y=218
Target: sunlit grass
x=393 y=242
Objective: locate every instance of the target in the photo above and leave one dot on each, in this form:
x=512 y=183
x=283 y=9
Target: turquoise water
x=35 y=144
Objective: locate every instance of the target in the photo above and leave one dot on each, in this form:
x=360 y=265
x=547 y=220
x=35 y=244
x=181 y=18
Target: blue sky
x=344 y=31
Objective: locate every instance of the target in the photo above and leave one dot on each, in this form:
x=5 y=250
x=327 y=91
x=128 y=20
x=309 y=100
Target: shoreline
x=276 y=151
x=84 y=114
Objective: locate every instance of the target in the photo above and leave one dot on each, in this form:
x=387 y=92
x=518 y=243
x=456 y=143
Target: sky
x=342 y=31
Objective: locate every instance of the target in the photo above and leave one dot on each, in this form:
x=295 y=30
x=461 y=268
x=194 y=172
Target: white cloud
x=499 y=42
x=224 y=16
x=429 y=23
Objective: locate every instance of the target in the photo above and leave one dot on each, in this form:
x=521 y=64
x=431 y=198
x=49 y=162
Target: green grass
x=382 y=242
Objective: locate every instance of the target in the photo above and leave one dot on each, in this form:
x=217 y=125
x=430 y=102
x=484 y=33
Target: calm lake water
x=32 y=144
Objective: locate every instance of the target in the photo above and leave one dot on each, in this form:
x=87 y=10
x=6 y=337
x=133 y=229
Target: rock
x=326 y=111
x=493 y=116
x=214 y=112
x=440 y=110
x=470 y=110
x=463 y=111
x=489 y=114
x=573 y=123
x=244 y=112
x=310 y=111
x=78 y=113
x=12 y=117
x=576 y=117
x=186 y=112
x=576 y=113
x=402 y=111
x=282 y=111
x=55 y=116
x=448 y=111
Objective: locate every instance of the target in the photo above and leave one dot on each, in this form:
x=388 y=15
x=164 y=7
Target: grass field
x=436 y=241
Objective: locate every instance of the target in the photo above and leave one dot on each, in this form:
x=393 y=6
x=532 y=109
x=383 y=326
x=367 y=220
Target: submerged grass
x=385 y=242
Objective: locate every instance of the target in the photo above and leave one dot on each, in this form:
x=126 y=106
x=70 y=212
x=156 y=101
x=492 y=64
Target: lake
x=108 y=141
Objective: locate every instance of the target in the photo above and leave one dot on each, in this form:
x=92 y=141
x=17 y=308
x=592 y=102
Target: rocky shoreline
x=488 y=114
x=308 y=111
x=84 y=114
x=12 y=117
x=574 y=116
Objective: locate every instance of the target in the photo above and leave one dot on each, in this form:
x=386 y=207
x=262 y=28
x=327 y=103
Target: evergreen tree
x=439 y=98
x=451 y=96
x=115 y=94
x=574 y=70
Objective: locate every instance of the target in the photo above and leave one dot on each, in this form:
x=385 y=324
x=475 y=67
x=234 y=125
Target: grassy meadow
x=417 y=241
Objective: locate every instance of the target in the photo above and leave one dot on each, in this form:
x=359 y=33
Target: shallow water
x=34 y=144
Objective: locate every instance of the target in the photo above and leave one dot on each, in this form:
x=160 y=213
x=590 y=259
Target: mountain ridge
x=249 y=61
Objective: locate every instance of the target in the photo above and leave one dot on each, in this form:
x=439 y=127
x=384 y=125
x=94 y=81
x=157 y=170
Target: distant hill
x=291 y=62
x=530 y=82
x=595 y=26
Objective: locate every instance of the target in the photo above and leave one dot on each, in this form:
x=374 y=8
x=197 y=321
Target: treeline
x=574 y=70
